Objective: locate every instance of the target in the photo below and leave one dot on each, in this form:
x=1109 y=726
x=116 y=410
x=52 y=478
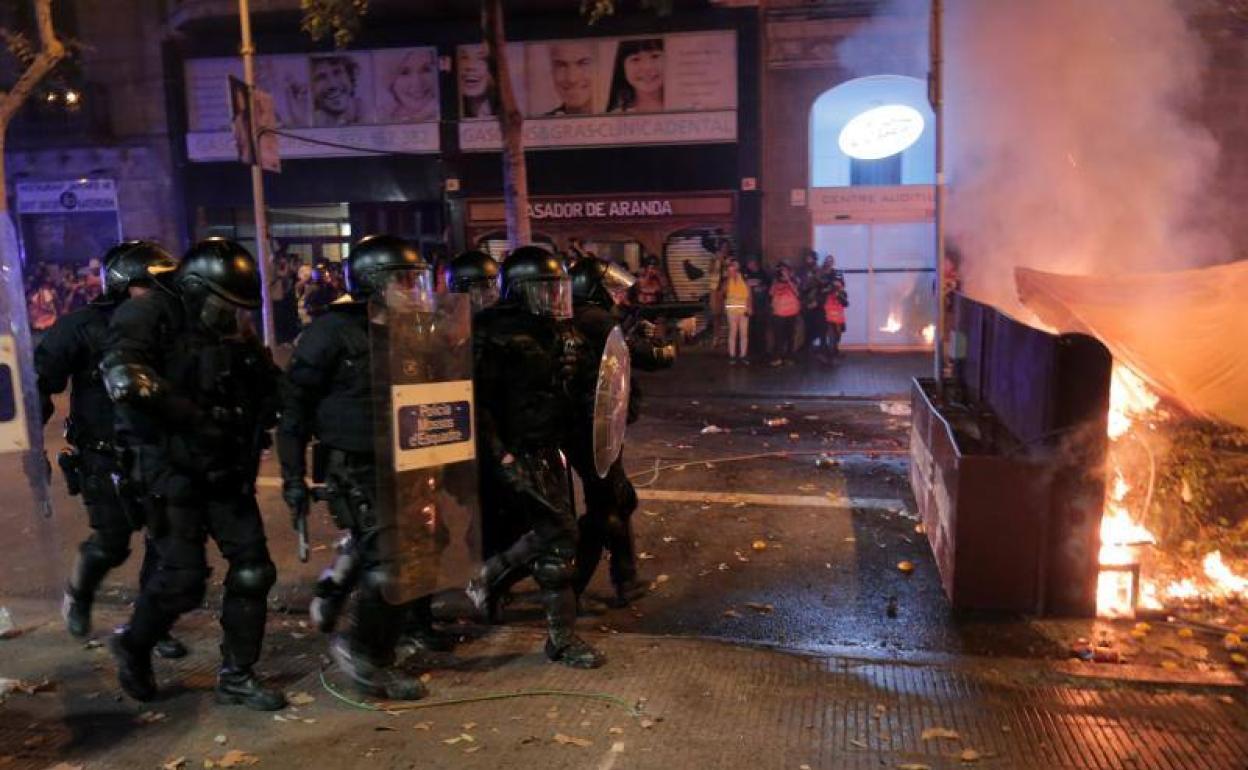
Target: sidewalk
x=702 y=373
x=701 y=704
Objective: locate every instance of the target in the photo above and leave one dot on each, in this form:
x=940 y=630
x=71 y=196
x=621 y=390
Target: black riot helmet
x=223 y=268
x=219 y=282
x=134 y=263
x=376 y=261
x=476 y=274
x=597 y=281
x=535 y=279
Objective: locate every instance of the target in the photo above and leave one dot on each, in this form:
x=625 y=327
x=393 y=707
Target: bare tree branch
x=51 y=52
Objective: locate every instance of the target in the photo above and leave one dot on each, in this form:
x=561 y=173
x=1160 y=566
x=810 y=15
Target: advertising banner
x=662 y=89
x=383 y=99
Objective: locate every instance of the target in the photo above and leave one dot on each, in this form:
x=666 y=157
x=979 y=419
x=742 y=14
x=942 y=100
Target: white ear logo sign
x=881 y=132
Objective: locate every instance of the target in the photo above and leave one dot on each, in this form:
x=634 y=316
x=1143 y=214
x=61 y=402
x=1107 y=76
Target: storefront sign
x=607 y=130
x=828 y=203
x=620 y=208
x=68 y=222
x=881 y=132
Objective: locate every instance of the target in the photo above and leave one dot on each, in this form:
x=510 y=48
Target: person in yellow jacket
x=738 y=306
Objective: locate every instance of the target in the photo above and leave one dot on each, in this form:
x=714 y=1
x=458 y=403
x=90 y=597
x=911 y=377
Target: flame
x=892 y=325
x=1225 y=582
x=929 y=333
x=1122 y=536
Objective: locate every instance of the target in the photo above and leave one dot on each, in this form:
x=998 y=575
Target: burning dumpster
x=1007 y=465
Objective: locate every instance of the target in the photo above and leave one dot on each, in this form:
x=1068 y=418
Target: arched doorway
x=872 y=164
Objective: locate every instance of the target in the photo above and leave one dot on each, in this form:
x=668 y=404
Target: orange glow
x=1225 y=582
x=892 y=325
x=929 y=333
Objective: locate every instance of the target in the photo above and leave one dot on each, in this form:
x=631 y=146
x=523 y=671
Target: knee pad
x=554 y=571
x=252 y=580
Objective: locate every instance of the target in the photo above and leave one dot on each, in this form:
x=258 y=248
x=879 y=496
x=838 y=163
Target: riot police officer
x=69 y=355
x=526 y=375
x=476 y=274
x=328 y=396
x=195 y=394
x=611 y=500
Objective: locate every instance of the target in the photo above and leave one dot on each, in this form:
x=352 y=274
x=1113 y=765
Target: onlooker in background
x=836 y=299
x=736 y=299
x=785 y=307
x=42 y=303
x=282 y=294
x=650 y=288
x=318 y=294
x=811 y=289
x=760 y=306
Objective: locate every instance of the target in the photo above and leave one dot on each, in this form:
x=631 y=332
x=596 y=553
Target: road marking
x=830 y=500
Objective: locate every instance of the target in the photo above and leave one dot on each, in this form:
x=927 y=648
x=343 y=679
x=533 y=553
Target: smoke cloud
x=1069 y=145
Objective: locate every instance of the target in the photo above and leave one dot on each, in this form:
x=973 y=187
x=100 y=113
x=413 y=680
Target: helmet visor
x=483 y=293
x=551 y=297
x=411 y=287
x=222 y=317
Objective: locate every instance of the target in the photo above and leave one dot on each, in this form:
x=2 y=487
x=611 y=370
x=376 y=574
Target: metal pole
x=248 y=51
x=935 y=94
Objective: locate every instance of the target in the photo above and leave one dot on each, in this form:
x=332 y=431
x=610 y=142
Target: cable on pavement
x=601 y=697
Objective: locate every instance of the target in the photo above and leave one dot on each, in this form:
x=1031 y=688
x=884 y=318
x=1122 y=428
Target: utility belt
x=70 y=461
x=346 y=481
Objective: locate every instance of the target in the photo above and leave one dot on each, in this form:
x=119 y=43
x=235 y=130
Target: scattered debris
x=24 y=687
x=731 y=614
x=572 y=740
x=662 y=579
x=423 y=726
x=299 y=698
x=220 y=740
x=765 y=609
x=177 y=763
x=615 y=730
x=646 y=724
x=914 y=766
x=1232 y=642
x=1186 y=633
x=858 y=744
x=644 y=556
x=775 y=422
x=150 y=717
x=895 y=408
x=461 y=738
x=969 y=755
x=709 y=429
x=905 y=567
x=8 y=629
x=825 y=461
x=759 y=545
x=940 y=733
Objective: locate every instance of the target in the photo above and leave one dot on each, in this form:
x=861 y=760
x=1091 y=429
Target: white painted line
x=762 y=498
x=731 y=498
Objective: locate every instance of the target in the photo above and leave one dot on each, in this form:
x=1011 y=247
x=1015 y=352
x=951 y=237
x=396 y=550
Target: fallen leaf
x=57 y=766
x=385 y=729
x=668 y=539
x=858 y=743
x=766 y=609
x=646 y=724
x=1239 y=659
x=643 y=556
x=461 y=738
x=426 y=678
x=731 y=614
x=176 y=763
x=1169 y=665
x=914 y=766
x=1232 y=642
x=150 y=717
x=969 y=755
x=905 y=567
x=236 y=758
x=615 y=730
x=300 y=699
x=933 y=733
x=472 y=749
x=220 y=740
x=468 y=725
x=1186 y=633
x=759 y=545
x=423 y=726
x=662 y=578
x=571 y=740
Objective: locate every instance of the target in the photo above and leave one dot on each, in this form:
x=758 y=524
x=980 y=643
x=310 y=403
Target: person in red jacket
x=785 y=306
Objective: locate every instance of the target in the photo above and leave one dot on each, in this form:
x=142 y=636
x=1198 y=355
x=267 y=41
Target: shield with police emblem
x=611 y=402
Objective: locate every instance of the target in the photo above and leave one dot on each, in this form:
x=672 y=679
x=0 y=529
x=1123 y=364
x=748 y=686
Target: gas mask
x=220 y=317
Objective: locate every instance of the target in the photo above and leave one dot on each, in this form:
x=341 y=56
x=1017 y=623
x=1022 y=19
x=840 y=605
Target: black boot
x=562 y=644
x=89 y=571
x=629 y=590
x=372 y=679
x=134 y=669
x=418 y=630
x=239 y=686
x=170 y=648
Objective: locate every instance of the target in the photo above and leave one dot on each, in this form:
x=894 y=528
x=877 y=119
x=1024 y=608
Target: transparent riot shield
x=425 y=442
x=30 y=555
x=611 y=402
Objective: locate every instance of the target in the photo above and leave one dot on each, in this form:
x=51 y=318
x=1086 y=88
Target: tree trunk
x=511 y=124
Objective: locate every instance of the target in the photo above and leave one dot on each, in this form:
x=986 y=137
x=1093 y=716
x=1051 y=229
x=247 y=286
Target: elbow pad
x=131 y=383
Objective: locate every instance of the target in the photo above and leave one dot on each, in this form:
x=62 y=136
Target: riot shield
x=425 y=442
x=30 y=555
x=611 y=402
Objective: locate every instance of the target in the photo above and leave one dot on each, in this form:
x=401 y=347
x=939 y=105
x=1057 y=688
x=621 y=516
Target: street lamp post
x=936 y=96
x=248 y=52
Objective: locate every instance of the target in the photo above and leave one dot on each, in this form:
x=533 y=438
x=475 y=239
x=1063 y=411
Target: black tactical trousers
x=108 y=545
x=606 y=523
x=183 y=511
x=377 y=625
